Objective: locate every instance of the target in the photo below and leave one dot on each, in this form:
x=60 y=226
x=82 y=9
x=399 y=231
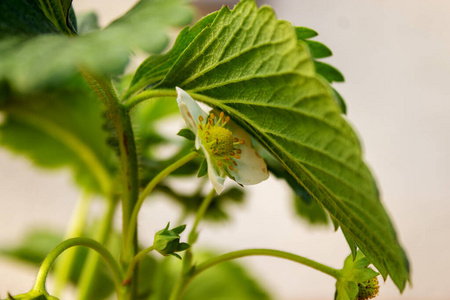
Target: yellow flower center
x=219 y=141
x=223 y=138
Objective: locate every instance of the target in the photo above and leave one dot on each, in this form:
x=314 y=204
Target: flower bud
x=167 y=242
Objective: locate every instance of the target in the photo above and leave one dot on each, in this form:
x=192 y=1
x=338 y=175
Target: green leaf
x=311 y=212
x=268 y=84
x=304 y=33
x=154 y=68
x=23 y=18
x=187 y=134
x=330 y=73
x=34 y=247
x=57 y=11
x=340 y=101
x=61 y=128
x=49 y=60
x=318 y=50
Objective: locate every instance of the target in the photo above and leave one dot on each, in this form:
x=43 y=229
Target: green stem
x=252 y=252
x=149 y=94
x=137 y=258
x=92 y=261
x=149 y=188
x=76 y=227
x=79 y=241
x=121 y=120
x=266 y=252
x=177 y=292
x=200 y=214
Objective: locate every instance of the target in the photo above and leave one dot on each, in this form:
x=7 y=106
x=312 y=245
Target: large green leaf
x=250 y=65
x=23 y=18
x=50 y=59
x=57 y=11
x=59 y=128
x=155 y=68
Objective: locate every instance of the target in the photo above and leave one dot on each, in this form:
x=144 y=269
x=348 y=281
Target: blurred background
x=395 y=59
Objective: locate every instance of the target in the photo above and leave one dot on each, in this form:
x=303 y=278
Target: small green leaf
x=330 y=73
x=187 y=134
x=304 y=33
x=340 y=101
x=318 y=50
x=203 y=170
x=270 y=86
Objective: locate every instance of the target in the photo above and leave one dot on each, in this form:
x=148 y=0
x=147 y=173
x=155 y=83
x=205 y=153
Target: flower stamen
x=219 y=141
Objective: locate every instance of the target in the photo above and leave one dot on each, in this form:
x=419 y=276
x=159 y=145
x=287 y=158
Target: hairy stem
x=122 y=124
x=79 y=241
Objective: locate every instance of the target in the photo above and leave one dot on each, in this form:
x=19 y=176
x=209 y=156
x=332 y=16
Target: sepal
x=356 y=281
x=32 y=295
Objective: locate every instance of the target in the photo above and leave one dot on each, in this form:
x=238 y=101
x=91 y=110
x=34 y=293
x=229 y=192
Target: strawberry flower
x=227 y=147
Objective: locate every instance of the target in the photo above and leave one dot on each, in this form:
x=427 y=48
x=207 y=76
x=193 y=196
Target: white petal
x=251 y=168
x=216 y=180
x=190 y=110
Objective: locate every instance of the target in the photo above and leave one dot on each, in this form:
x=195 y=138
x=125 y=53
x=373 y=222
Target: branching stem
x=137 y=258
x=149 y=188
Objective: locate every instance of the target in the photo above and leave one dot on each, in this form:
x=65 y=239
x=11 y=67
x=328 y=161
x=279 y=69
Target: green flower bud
x=167 y=242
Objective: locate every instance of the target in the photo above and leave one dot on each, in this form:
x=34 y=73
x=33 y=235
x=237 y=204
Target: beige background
x=394 y=55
